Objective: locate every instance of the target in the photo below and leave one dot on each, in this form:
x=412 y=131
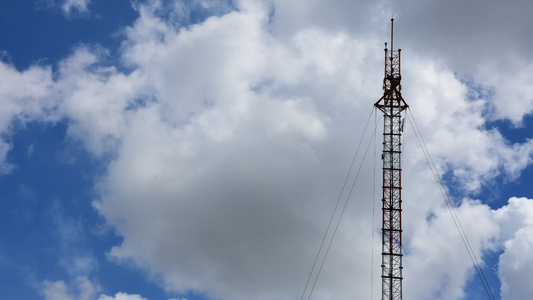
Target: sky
x=195 y=150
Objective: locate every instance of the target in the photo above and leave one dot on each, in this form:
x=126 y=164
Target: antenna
x=392 y=34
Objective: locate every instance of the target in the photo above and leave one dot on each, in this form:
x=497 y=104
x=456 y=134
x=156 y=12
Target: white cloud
x=121 y=296
x=24 y=97
x=81 y=289
x=226 y=156
x=513 y=95
x=436 y=245
x=515 y=264
x=56 y=291
x=459 y=141
x=75 y=6
x=96 y=98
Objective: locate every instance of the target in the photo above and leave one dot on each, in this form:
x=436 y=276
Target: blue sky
x=195 y=149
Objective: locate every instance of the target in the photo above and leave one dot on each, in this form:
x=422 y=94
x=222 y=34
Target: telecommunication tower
x=392 y=105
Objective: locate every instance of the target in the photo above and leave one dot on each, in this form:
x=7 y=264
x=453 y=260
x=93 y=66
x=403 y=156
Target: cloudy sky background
x=196 y=149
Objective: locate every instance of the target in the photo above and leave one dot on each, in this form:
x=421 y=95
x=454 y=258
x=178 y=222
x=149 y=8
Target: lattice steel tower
x=392 y=105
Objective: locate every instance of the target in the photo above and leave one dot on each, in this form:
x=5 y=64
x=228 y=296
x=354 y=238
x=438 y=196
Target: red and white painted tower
x=392 y=105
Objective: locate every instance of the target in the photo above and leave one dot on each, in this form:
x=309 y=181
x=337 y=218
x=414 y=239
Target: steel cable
x=451 y=207
x=335 y=210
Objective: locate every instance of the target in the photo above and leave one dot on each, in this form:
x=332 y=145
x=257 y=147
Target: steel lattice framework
x=392 y=105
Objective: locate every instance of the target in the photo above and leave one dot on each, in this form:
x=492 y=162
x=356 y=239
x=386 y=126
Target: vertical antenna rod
x=392 y=34
x=392 y=105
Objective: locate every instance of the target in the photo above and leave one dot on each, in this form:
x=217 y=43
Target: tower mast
x=392 y=105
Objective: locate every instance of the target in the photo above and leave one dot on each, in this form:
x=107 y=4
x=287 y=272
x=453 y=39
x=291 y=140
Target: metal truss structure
x=392 y=105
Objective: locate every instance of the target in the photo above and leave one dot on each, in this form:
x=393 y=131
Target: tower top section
x=391 y=36
x=392 y=95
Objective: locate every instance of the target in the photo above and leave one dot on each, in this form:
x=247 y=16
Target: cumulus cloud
x=436 y=245
x=96 y=97
x=516 y=223
x=25 y=98
x=81 y=289
x=460 y=142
